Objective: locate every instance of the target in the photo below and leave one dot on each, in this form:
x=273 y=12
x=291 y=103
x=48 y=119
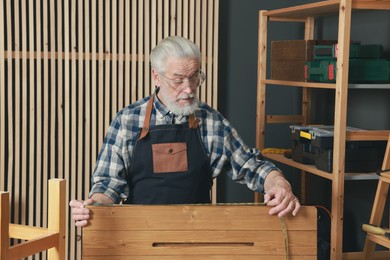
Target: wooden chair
x=119 y=232
x=37 y=239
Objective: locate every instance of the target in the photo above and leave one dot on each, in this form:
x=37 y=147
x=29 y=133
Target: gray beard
x=186 y=110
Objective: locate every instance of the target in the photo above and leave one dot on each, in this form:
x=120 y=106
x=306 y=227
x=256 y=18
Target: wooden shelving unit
x=307 y=14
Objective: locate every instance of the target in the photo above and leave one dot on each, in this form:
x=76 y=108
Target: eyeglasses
x=193 y=82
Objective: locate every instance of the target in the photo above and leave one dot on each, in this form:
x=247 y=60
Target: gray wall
x=237 y=100
x=238 y=39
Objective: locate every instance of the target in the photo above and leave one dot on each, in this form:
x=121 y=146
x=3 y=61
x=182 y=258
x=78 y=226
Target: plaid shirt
x=223 y=146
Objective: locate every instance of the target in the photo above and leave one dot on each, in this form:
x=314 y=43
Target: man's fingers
x=81 y=223
x=88 y=202
x=76 y=204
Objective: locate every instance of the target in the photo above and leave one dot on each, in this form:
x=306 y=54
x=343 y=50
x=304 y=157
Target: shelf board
x=325 y=8
x=324 y=85
x=369 y=86
x=299 y=84
x=368 y=135
x=301 y=11
x=312 y=169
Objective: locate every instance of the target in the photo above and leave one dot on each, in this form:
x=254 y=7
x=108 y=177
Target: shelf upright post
x=340 y=119
x=306 y=106
x=261 y=91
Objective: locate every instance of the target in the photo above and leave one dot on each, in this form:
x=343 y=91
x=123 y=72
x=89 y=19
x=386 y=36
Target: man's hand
x=80 y=214
x=279 y=195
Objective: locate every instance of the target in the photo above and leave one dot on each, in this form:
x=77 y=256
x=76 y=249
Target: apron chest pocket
x=170 y=157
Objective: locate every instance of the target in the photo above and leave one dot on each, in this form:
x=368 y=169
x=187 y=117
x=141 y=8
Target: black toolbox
x=314 y=145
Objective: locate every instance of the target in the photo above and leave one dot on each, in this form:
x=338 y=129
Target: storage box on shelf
x=314 y=145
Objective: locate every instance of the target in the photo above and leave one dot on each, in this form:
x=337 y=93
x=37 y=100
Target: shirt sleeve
x=109 y=176
x=243 y=164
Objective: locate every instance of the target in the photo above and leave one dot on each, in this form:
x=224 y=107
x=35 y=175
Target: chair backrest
x=196 y=231
x=37 y=239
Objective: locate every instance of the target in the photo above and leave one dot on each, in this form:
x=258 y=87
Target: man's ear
x=156 y=78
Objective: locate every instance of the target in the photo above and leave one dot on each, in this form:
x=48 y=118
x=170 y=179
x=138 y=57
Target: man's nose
x=187 y=88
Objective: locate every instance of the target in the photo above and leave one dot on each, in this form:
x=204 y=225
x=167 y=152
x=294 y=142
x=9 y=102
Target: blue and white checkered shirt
x=224 y=147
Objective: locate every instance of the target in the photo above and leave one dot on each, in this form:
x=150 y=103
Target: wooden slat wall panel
x=66 y=68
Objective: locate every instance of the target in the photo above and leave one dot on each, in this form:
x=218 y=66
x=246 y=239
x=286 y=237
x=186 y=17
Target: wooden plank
x=46 y=127
x=60 y=103
x=108 y=65
x=10 y=114
x=114 y=62
x=127 y=89
x=73 y=115
x=4 y=221
x=261 y=76
x=172 y=18
x=192 y=242
x=192 y=217
x=368 y=135
x=209 y=53
x=261 y=86
x=17 y=117
x=215 y=56
x=340 y=119
x=306 y=105
x=94 y=86
x=277 y=119
x=87 y=105
x=286 y=83
x=159 y=21
x=101 y=129
x=53 y=94
x=179 y=18
x=2 y=102
x=300 y=11
x=148 y=88
x=140 y=51
x=121 y=73
x=202 y=43
x=202 y=256
x=133 y=77
x=24 y=94
x=180 y=229
x=166 y=20
x=185 y=18
x=56 y=223
x=192 y=20
x=66 y=91
x=79 y=109
x=32 y=246
x=26 y=232
x=39 y=130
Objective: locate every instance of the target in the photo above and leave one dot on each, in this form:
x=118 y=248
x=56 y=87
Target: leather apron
x=169 y=164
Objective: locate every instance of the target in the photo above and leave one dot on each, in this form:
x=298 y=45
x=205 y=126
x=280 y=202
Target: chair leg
x=57 y=220
x=4 y=222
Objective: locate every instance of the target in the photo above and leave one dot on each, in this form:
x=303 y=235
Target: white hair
x=172 y=47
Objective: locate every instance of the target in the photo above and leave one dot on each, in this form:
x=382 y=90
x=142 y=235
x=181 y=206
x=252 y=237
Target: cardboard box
x=288 y=58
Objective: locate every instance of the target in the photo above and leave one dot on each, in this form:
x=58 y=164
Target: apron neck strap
x=148 y=113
